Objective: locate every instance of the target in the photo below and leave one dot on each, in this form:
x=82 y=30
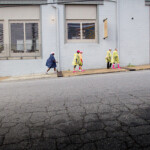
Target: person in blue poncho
x=51 y=62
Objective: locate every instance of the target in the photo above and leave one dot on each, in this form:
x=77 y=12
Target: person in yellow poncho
x=81 y=63
x=108 y=58
x=115 y=59
x=76 y=60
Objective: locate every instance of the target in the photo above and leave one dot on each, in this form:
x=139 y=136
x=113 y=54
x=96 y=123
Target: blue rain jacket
x=51 y=63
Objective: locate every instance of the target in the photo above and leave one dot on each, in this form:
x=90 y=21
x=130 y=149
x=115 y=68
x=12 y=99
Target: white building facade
x=29 y=31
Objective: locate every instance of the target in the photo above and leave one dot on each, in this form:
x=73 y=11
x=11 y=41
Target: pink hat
x=52 y=53
x=78 y=51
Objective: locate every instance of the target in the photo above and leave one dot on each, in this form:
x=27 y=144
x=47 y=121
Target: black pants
x=109 y=65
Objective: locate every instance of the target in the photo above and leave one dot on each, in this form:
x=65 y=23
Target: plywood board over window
x=81 y=23
x=105 y=28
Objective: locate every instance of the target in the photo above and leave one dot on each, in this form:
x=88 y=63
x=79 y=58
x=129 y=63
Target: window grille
x=25 y=38
x=1 y=38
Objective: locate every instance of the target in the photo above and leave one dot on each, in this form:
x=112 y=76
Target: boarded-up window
x=105 y=28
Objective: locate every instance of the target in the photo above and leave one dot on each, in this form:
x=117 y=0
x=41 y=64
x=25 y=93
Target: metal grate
x=1 y=38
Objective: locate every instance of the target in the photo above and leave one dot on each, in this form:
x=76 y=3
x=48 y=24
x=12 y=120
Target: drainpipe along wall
x=57 y=37
x=117 y=24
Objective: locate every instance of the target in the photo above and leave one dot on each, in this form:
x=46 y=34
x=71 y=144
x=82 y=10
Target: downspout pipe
x=118 y=25
x=58 y=37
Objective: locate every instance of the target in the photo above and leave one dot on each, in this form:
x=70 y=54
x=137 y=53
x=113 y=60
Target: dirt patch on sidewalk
x=4 y=78
x=136 y=68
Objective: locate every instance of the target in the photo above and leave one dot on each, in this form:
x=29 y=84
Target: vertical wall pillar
x=118 y=25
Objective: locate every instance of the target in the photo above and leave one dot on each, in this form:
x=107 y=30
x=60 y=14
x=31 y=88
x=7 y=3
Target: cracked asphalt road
x=96 y=112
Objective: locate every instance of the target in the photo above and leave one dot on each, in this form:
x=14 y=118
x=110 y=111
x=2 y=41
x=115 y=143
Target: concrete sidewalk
x=70 y=73
x=28 y=77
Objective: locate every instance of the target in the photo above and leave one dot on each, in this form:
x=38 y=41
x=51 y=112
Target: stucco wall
x=48 y=38
x=134 y=33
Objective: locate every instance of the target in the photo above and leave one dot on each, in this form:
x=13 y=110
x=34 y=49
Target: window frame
x=81 y=40
x=25 y=54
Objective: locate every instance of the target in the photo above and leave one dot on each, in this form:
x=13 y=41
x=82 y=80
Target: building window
x=81 y=23
x=17 y=37
x=88 y=30
x=32 y=37
x=24 y=38
x=81 y=31
x=74 y=31
x=1 y=38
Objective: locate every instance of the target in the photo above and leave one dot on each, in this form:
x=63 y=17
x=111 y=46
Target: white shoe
x=46 y=72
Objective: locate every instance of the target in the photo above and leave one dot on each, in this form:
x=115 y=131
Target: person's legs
x=48 y=69
x=113 y=66
x=107 y=65
x=55 y=70
x=118 y=66
x=80 y=68
x=110 y=65
x=74 y=68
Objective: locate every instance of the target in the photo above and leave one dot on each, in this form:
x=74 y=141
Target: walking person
x=108 y=58
x=51 y=62
x=81 y=63
x=76 y=60
x=115 y=59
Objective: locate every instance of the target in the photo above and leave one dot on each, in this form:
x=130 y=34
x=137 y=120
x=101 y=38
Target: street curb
x=106 y=71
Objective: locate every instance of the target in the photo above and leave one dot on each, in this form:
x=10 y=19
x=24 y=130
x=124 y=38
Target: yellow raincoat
x=108 y=57
x=76 y=60
x=81 y=61
x=115 y=57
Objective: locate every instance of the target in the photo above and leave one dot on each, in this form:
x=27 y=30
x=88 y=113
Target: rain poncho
x=51 y=62
x=81 y=63
x=108 y=57
x=115 y=57
x=76 y=60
